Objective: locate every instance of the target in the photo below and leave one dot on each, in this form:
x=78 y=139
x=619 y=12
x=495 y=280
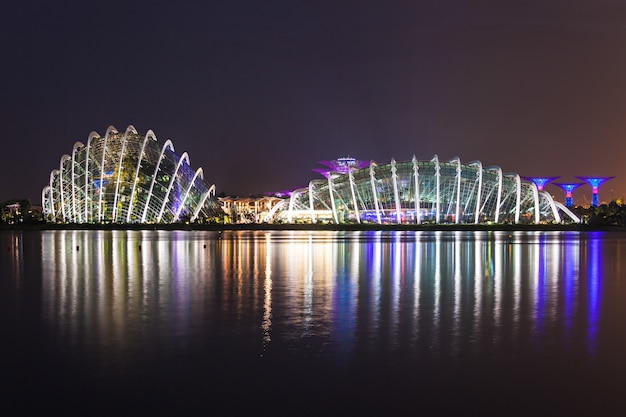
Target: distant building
x=20 y=211
x=249 y=209
x=13 y=208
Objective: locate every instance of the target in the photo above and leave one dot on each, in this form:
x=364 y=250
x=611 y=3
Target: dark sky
x=258 y=91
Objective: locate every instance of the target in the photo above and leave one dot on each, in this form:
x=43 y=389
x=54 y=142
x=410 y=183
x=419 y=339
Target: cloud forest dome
x=125 y=177
x=415 y=192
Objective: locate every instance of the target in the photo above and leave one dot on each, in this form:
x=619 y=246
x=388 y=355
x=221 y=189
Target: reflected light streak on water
x=498 y=272
x=201 y=303
x=537 y=264
x=437 y=292
x=374 y=302
x=16 y=250
x=557 y=279
x=570 y=285
x=457 y=291
x=395 y=262
x=136 y=275
x=308 y=286
x=417 y=273
x=516 y=260
x=478 y=293
x=594 y=282
x=266 y=325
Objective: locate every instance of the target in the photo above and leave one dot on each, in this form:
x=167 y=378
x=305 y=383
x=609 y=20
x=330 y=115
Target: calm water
x=319 y=323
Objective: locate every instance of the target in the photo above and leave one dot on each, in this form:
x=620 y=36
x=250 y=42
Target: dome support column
x=292 y=200
x=416 y=175
x=555 y=211
x=354 y=202
x=198 y=173
x=332 y=197
x=518 y=181
x=52 y=195
x=458 y=190
x=44 y=191
x=65 y=216
x=311 y=207
x=129 y=210
x=394 y=177
x=206 y=195
x=479 y=174
x=75 y=217
x=184 y=158
x=536 y=200
x=168 y=143
x=88 y=202
x=374 y=194
x=437 y=194
x=290 y=210
x=110 y=130
x=119 y=170
x=499 y=198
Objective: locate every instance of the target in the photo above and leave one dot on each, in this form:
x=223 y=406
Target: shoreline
x=320 y=227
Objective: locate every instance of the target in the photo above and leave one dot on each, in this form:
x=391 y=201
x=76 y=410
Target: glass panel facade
x=426 y=192
x=125 y=177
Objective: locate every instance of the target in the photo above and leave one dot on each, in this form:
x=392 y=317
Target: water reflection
x=15 y=251
x=593 y=290
x=117 y=295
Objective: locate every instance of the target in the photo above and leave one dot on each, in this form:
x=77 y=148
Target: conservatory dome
x=126 y=177
x=419 y=191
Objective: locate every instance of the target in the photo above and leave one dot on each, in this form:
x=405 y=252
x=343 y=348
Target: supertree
x=568 y=188
x=595 y=183
x=541 y=182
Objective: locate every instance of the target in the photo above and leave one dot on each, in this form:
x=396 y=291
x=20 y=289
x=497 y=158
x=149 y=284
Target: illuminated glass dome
x=124 y=177
x=416 y=192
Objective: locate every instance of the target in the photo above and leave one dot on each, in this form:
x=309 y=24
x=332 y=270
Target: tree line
x=611 y=214
x=20 y=211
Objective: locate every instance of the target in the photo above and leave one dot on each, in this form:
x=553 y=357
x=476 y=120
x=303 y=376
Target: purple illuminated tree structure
x=541 y=182
x=568 y=188
x=595 y=183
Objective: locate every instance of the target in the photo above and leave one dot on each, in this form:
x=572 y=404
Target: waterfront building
x=248 y=209
x=568 y=188
x=125 y=177
x=418 y=191
x=595 y=183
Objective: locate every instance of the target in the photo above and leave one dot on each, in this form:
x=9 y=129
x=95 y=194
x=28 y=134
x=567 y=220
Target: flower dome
x=125 y=177
x=415 y=192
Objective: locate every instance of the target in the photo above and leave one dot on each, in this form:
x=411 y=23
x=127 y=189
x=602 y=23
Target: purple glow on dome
x=342 y=165
x=541 y=182
x=323 y=171
x=282 y=193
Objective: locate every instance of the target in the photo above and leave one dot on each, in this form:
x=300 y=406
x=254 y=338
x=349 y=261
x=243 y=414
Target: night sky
x=258 y=91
